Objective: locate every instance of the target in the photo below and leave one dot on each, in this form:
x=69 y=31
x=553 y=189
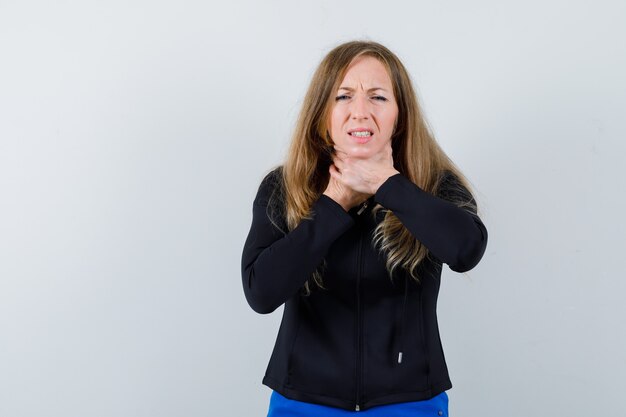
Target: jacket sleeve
x=454 y=235
x=274 y=265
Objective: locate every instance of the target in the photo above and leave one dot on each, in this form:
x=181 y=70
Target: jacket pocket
x=383 y=375
x=423 y=345
x=322 y=359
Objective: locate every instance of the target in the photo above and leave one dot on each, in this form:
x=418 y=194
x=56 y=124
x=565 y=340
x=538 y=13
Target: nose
x=360 y=107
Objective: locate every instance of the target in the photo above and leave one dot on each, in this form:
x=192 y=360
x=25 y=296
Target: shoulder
x=271 y=198
x=274 y=176
x=271 y=184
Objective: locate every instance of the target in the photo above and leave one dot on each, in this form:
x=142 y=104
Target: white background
x=133 y=137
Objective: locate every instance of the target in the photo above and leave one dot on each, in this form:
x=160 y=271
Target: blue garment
x=281 y=406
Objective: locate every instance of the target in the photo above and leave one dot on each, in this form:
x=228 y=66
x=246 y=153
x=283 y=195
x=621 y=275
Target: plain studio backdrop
x=133 y=138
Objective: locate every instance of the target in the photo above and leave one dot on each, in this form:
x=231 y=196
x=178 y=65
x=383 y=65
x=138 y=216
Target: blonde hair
x=304 y=175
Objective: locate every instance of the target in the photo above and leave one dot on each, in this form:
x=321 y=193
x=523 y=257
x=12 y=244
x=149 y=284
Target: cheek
x=337 y=131
x=389 y=120
x=380 y=145
x=334 y=125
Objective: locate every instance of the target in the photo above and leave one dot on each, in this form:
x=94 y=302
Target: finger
x=334 y=173
x=338 y=162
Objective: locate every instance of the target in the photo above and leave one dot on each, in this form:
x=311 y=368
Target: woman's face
x=364 y=100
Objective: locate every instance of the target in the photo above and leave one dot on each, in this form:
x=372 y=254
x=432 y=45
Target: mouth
x=361 y=135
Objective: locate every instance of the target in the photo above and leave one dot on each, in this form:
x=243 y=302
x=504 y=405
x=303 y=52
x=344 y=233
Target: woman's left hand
x=365 y=175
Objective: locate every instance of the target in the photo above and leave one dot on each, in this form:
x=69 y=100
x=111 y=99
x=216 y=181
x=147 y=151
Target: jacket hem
x=309 y=397
x=392 y=398
x=398 y=397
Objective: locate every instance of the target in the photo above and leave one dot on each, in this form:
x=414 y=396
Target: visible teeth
x=361 y=134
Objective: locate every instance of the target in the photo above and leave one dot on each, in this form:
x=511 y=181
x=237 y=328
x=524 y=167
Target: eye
x=341 y=97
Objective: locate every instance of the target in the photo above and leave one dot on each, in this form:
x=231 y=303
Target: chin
x=373 y=146
x=365 y=150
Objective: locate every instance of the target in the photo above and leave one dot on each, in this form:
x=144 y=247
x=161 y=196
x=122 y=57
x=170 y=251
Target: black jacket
x=364 y=341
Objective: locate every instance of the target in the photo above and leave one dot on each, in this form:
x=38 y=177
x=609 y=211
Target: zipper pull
x=357 y=408
x=362 y=207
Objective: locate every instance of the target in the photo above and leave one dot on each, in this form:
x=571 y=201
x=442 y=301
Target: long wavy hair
x=304 y=174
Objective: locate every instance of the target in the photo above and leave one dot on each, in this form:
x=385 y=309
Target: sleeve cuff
x=389 y=184
x=330 y=205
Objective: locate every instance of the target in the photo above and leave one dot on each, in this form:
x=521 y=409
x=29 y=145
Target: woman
x=351 y=233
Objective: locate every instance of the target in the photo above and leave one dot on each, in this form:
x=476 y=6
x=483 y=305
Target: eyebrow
x=371 y=89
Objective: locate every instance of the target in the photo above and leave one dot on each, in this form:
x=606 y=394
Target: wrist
x=336 y=200
x=385 y=177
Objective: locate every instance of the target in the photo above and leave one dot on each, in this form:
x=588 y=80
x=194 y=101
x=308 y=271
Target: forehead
x=364 y=72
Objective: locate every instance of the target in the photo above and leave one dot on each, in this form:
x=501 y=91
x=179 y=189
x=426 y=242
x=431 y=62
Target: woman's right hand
x=341 y=193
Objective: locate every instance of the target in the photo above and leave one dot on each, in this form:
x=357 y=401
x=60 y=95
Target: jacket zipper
x=358 y=315
x=363 y=207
